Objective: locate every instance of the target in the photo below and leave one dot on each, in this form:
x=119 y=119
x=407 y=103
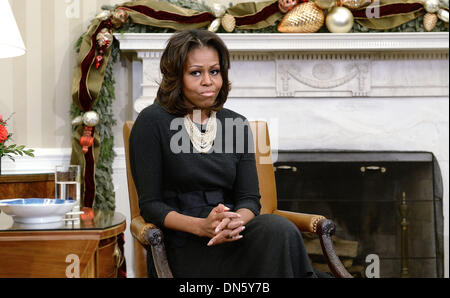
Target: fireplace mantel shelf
x=264 y=42
x=352 y=156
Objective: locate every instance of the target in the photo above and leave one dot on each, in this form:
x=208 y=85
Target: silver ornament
x=339 y=20
x=214 y=26
x=77 y=121
x=443 y=15
x=431 y=5
x=91 y=118
x=104 y=38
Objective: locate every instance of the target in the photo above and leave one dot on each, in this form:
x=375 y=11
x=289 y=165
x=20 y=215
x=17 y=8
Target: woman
x=199 y=184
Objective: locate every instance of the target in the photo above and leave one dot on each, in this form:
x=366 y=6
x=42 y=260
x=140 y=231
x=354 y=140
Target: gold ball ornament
x=429 y=21
x=355 y=4
x=285 y=5
x=431 y=5
x=303 y=18
x=325 y=4
x=443 y=15
x=339 y=20
x=119 y=17
x=228 y=22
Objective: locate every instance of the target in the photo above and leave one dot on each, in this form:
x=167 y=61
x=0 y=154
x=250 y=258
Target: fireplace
x=363 y=192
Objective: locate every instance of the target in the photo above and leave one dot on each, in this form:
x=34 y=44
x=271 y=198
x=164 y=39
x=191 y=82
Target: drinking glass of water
x=67 y=184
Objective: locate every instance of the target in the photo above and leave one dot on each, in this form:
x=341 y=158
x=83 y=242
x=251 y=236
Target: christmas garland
x=93 y=90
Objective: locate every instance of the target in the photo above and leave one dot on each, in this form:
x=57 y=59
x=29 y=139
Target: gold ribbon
x=161 y=6
x=389 y=21
x=249 y=9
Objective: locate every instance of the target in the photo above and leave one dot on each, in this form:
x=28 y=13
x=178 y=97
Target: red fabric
x=258 y=17
x=86 y=101
x=164 y=15
x=89 y=179
x=391 y=9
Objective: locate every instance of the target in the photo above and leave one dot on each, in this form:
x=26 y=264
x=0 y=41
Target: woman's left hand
x=227 y=234
x=228 y=230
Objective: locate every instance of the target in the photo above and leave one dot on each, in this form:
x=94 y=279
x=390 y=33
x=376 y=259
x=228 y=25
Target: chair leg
x=155 y=238
x=325 y=229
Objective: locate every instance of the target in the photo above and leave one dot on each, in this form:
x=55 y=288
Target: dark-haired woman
x=198 y=184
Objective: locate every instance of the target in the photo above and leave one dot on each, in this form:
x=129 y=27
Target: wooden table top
x=99 y=224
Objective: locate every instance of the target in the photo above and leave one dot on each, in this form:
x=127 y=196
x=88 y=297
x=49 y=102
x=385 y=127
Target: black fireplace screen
x=386 y=205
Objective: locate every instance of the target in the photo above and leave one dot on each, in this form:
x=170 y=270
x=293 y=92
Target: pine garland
x=104 y=188
x=105 y=194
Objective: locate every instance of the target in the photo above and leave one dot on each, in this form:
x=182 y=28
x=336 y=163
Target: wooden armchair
x=147 y=236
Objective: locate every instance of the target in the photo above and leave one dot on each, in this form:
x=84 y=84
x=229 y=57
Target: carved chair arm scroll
x=151 y=237
x=324 y=228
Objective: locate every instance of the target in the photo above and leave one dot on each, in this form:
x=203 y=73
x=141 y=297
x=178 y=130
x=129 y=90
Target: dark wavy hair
x=170 y=93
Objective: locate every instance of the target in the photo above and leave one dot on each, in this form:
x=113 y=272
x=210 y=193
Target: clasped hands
x=222 y=226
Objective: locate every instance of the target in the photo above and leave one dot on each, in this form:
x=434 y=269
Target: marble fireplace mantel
x=342 y=91
x=314 y=65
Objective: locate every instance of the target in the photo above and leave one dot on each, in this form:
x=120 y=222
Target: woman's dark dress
x=192 y=183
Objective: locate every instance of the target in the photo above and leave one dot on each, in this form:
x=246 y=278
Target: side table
x=89 y=247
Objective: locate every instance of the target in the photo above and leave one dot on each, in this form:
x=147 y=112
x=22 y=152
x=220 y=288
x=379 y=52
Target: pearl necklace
x=202 y=142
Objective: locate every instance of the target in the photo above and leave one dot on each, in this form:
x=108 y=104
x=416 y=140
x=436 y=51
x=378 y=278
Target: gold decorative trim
x=315 y=222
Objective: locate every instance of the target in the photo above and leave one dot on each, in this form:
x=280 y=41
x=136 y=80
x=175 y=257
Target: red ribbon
x=85 y=99
x=387 y=10
x=259 y=16
x=168 y=16
x=89 y=178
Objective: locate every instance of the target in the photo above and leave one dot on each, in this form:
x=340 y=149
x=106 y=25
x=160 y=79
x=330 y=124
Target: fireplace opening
x=386 y=205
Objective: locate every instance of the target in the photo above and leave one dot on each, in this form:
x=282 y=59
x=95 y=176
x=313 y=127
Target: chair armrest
x=140 y=230
x=305 y=222
x=324 y=228
x=151 y=237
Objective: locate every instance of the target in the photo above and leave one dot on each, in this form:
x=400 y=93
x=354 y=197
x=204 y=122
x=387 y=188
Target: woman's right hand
x=215 y=217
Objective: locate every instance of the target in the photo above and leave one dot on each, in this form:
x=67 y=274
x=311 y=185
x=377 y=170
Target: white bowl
x=36 y=210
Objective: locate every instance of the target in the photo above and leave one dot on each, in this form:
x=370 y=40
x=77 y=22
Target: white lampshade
x=11 y=43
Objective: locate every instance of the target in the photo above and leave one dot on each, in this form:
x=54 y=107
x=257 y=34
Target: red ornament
x=286 y=5
x=87 y=217
x=87 y=140
x=98 y=61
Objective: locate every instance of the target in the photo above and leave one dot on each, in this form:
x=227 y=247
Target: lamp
x=11 y=43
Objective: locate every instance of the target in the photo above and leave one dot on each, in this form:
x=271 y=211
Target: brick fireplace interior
x=362 y=193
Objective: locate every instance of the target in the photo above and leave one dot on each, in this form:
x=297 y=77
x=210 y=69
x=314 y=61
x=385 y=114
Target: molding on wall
x=46 y=159
x=302 y=42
